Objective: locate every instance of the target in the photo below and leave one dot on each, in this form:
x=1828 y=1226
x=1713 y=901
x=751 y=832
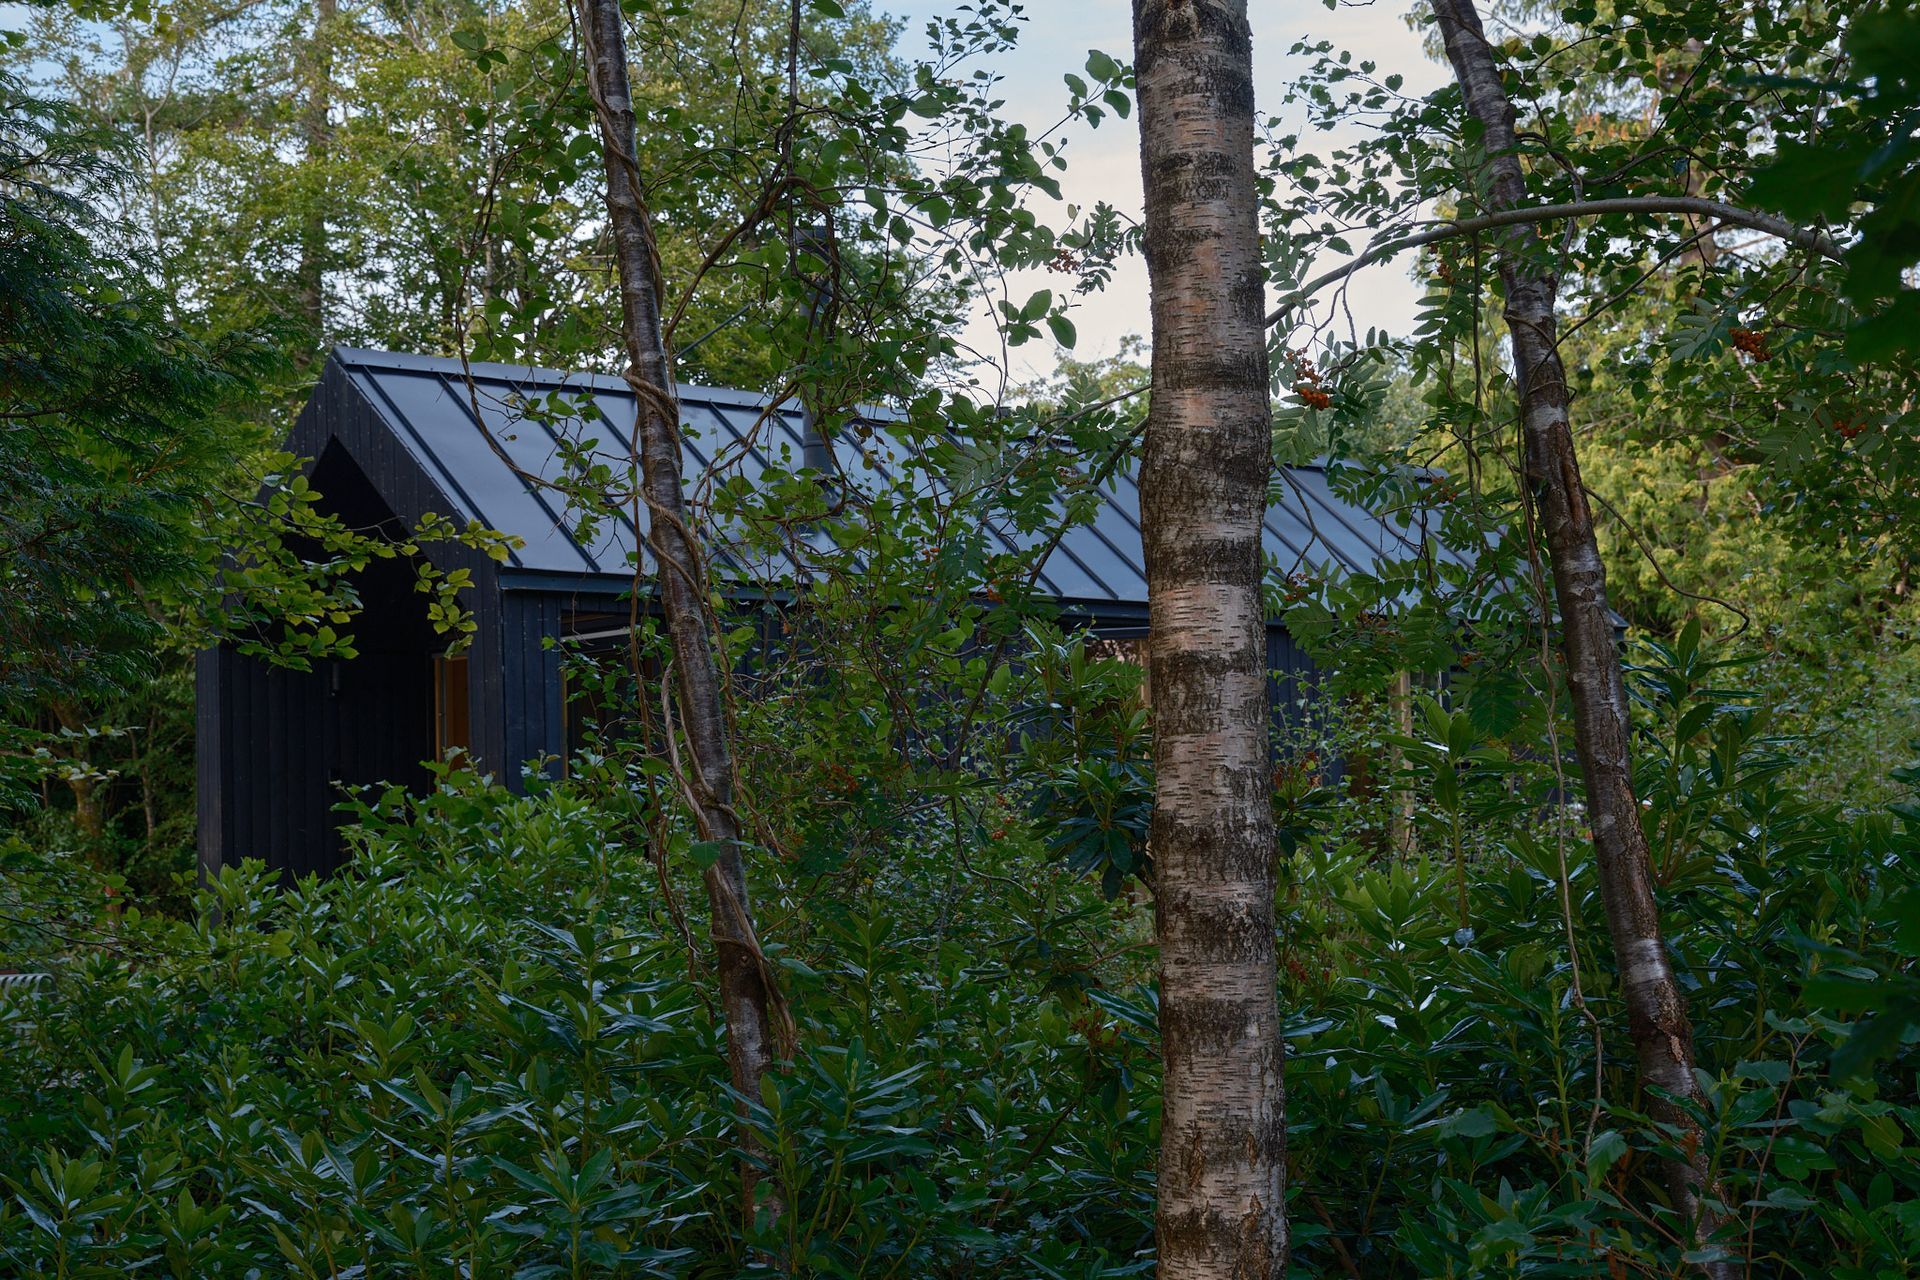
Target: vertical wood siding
x=531 y=687
x=258 y=730
x=1291 y=676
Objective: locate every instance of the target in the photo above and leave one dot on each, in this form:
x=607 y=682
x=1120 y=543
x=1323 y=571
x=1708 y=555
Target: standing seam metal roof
x=427 y=405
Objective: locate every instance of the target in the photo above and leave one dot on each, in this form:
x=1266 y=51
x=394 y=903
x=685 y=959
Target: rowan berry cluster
x=1752 y=344
x=1307 y=380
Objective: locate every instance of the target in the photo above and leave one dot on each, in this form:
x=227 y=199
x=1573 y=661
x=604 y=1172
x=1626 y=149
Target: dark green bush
x=489 y=1049
x=481 y=1054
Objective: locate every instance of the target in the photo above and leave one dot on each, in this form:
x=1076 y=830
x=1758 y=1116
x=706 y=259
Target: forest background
x=201 y=198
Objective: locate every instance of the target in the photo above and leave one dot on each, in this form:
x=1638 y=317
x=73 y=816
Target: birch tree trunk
x=1656 y=1008
x=747 y=996
x=1208 y=450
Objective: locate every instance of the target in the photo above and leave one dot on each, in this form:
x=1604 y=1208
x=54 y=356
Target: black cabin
x=390 y=438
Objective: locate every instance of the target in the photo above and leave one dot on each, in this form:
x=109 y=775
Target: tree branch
x=1766 y=223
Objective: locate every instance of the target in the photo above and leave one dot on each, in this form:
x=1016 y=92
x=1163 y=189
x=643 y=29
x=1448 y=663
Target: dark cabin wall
x=262 y=742
x=1291 y=677
x=516 y=693
x=486 y=699
x=275 y=746
x=515 y=683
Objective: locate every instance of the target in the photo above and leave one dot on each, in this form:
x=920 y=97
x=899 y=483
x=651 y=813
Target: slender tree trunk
x=747 y=996
x=89 y=797
x=316 y=132
x=1656 y=1009
x=1400 y=825
x=1208 y=451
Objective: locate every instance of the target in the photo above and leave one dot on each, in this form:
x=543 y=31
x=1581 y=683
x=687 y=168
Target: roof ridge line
x=493 y=370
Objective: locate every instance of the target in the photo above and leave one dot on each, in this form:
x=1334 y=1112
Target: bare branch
x=1733 y=215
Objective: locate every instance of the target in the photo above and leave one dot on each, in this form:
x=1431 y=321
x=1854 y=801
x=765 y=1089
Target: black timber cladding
x=391 y=438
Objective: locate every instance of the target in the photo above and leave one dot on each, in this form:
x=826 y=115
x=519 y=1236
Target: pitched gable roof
x=537 y=417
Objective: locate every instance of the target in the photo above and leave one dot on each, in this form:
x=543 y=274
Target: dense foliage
x=489 y=1047
x=487 y=1054
x=113 y=442
x=485 y=1050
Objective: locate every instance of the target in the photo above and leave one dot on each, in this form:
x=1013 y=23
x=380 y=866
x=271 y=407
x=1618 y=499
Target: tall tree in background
x=399 y=176
x=1656 y=1007
x=114 y=437
x=1222 y=1172
x=316 y=128
x=746 y=992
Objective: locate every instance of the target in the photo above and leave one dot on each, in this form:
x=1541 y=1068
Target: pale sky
x=1104 y=163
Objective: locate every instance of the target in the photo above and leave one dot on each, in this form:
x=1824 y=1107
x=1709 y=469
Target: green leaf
x=1602 y=1153
x=1063 y=331
x=1896 y=329
x=1810 y=180
x=1886 y=43
x=1844 y=992
x=1906 y=918
x=1476 y=1123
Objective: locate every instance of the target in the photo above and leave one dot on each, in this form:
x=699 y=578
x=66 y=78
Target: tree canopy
x=1553 y=912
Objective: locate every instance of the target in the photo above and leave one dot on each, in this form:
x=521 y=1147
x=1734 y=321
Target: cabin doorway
x=384 y=709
